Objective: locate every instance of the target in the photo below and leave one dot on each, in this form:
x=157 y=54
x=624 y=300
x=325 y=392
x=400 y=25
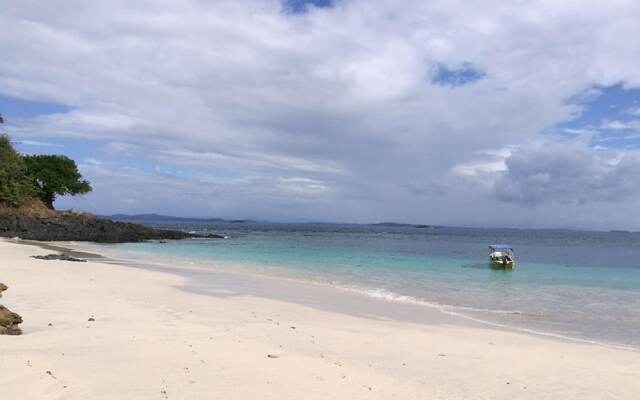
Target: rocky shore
x=61 y=226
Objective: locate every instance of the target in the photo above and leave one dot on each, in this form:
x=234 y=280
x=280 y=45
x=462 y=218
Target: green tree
x=13 y=174
x=53 y=176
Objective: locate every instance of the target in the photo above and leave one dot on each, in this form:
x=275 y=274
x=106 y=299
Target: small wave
x=458 y=311
x=391 y=296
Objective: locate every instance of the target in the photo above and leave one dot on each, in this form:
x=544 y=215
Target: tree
x=13 y=180
x=53 y=176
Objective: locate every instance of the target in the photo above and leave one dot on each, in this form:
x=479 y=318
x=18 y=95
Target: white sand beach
x=150 y=339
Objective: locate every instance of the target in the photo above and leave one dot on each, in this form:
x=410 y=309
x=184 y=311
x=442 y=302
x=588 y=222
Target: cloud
x=37 y=143
x=92 y=161
x=568 y=172
x=338 y=104
x=492 y=161
x=303 y=187
x=425 y=188
x=633 y=125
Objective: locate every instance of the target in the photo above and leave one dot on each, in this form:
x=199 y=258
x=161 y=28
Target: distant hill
x=160 y=217
x=170 y=218
x=395 y=224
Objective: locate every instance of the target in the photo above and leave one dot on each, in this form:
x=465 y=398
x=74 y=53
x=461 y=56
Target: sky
x=489 y=113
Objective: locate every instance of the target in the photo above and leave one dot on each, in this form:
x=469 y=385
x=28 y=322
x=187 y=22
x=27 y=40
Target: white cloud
x=37 y=143
x=492 y=161
x=304 y=187
x=621 y=125
x=93 y=161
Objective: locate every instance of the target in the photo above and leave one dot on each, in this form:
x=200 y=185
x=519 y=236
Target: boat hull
x=503 y=265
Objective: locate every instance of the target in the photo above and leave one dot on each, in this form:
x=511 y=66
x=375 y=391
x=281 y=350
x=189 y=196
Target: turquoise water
x=583 y=285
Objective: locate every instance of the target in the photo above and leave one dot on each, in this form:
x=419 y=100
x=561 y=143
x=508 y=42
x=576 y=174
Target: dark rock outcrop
x=65 y=226
x=9 y=321
x=61 y=257
x=208 y=236
x=34 y=221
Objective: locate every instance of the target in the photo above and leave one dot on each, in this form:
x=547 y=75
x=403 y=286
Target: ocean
x=572 y=284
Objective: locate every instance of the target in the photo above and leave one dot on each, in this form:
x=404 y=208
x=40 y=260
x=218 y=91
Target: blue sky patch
x=78 y=149
x=302 y=6
x=446 y=76
x=13 y=108
x=611 y=114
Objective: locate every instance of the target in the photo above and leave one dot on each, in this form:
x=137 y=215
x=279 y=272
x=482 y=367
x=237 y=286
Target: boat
x=501 y=256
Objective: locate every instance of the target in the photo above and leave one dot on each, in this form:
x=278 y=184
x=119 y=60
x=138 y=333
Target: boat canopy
x=501 y=247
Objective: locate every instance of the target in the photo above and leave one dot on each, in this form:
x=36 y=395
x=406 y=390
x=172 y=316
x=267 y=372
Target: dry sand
x=153 y=340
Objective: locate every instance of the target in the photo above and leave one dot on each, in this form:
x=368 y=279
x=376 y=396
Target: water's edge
x=223 y=279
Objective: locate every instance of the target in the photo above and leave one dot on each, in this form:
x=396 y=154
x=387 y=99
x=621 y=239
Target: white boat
x=501 y=256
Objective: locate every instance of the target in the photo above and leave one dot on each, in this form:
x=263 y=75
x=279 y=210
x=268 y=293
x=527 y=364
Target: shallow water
x=583 y=285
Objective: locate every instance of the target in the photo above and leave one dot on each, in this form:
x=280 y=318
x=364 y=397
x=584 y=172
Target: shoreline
x=151 y=339
x=347 y=300
x=241 y=282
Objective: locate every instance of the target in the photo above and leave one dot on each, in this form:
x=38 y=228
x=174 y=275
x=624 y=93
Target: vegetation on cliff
x=14 y=181
x=40 y=176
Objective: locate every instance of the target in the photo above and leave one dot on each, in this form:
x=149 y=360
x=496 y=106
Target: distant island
x=170 y=218
x=159 y=217
x=395 y=224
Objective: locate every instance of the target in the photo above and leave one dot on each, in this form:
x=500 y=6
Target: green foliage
x=14 y=182
x=45 y=176
x=53 y=175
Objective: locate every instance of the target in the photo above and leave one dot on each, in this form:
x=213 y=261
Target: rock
x=61 y=257
x=208 y=236
x=68 y=226
x=9 y=322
